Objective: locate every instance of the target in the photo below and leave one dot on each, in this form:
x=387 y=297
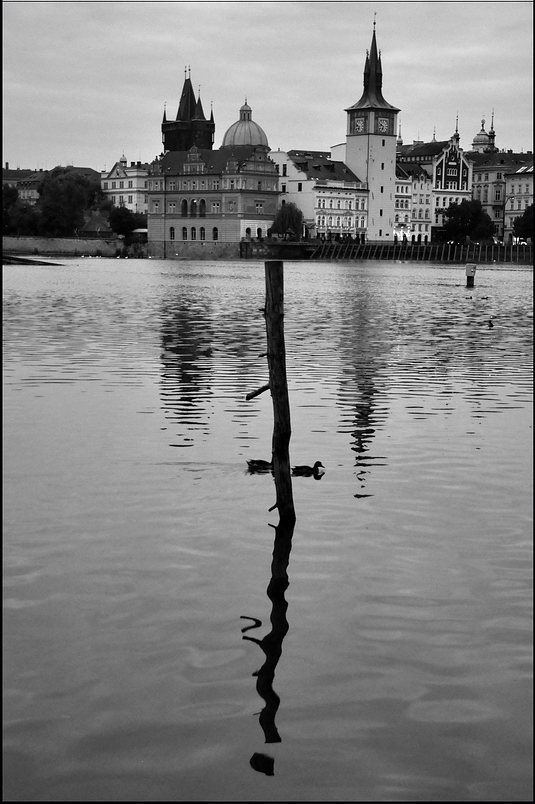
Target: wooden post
x=276 y=355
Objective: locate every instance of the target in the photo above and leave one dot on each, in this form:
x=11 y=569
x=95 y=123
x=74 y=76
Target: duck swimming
x=259 y=466
x=316 y=471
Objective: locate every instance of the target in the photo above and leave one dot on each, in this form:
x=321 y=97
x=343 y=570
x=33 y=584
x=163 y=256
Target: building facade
x=490 y=187
x=209 y=195
x=127 y=185
x=518 y=197
x=332 y=199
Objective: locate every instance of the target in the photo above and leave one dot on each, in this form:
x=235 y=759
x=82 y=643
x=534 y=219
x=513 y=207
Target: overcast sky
x=85 y=82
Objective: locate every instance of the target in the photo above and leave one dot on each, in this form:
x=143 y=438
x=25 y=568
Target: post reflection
x=271 y=644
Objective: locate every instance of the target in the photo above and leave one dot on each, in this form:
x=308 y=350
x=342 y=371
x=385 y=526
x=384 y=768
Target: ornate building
x=200 y=194
x=370 y=148
x=126 y=186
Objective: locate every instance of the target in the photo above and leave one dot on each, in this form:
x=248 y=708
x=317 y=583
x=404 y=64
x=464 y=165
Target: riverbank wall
x=63 y=246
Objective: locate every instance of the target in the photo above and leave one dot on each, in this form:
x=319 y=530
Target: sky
x=86 y=82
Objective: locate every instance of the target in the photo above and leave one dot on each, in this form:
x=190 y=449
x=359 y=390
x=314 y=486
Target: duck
x=316 y=471
x=259 y=466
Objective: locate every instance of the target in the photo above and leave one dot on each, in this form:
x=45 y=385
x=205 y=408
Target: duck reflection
x=271 y=644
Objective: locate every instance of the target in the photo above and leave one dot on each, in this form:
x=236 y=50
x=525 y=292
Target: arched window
x=184 y=233
x=259 y=233
x=215 y=233
x=193 y=233
x=172 y=233
x=184 y=208
x=248 y=232
x=202 y=233
x=193 y=208
x=202 y=208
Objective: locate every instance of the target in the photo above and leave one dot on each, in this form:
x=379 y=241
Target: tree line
x=66 y=199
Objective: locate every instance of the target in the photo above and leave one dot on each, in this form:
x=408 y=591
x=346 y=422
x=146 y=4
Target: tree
x=523 y=225
x=289 y=219
x=123 y=221
x=18 y=218
x=467 y=220
x=65 y=195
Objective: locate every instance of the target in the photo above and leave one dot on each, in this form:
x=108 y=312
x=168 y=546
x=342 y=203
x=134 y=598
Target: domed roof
x=482 y=138
x=245 y=131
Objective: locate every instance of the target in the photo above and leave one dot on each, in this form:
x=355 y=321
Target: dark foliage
x=123 y=221
x=467 y=220
x=523 y=225
x=17 y=218
x=288 y=221
x=65 y=195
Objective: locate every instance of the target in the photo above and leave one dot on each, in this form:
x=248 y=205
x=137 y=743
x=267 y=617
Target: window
x=486 y=176
x=498 y=175
x=382 y=165
x=172 y=185
x=184 y=208
x=382 y=188
x=105 y=185
x=171 y=207
x=283 y=188
x=193 y=209
x=121 y=185
x=121 y=199
x=202 y=233
x=498 y=194
x=193 y=233
x=113 y=185
x=299 y=186
x=130 y=199
x=202 y=208
x=232 y=184
x=215 y=233
x=384 y=143
x=381 y=213
x=216 y=185
x=259 y=207
x=338 y=204
x=284 y=170
x=172 y=233
x=216 y=207
x=130 y=185
x=184 y=233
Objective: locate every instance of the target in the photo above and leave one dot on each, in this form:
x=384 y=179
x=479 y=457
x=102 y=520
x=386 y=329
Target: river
x=138 y=549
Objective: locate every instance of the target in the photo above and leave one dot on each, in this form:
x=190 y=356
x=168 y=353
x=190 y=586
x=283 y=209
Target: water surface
x=135 y=541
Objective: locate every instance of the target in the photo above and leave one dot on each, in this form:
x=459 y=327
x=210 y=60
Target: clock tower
x=371 y=147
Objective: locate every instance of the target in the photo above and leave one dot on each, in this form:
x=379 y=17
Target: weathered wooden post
x=276 y=357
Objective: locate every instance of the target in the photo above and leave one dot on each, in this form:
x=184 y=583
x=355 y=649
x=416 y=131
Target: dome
x=245 y=131
x=482 y=138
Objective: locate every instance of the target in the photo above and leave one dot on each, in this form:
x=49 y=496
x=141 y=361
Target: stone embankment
x=62 y=246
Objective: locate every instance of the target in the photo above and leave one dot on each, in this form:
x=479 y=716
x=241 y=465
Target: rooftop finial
x=189 y=71
x=374 y=16
x=185 y=72
x=457 y=123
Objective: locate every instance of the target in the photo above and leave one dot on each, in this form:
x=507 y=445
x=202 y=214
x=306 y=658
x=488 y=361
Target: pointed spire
x=399 y=140
x=164 y=113
x=199 y=112
x=211 y=111
x=372 y=97
x=434 y=134
x=188 y=104
x=491 y=130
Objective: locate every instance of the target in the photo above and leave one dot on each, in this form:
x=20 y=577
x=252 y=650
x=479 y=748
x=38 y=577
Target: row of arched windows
x=193 y=233
x=194 y=208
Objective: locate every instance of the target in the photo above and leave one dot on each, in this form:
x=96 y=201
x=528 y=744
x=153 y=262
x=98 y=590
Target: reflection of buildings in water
x=271 y=644
x=186 y=376
x=210 y=355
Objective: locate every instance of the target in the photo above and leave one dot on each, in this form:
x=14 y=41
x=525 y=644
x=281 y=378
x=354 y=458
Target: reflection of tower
x=186 y=373
x=361 y=342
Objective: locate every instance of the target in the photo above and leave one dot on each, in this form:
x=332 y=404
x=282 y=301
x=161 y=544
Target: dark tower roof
x=372 y=97
x=191 y=126
x=187 y=106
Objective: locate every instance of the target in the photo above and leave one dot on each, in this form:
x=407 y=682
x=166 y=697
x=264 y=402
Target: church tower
x=371 y=147
x=191 y=126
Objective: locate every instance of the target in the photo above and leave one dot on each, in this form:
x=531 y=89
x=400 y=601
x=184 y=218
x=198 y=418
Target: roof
x=503 y=158
x=372 y=97
x=214 y=161
x=321 y=167
x=428 y=149
x=245 y=131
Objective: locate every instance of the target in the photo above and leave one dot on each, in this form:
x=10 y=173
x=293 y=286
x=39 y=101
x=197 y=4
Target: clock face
x=383 y=125
x=359 y=125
